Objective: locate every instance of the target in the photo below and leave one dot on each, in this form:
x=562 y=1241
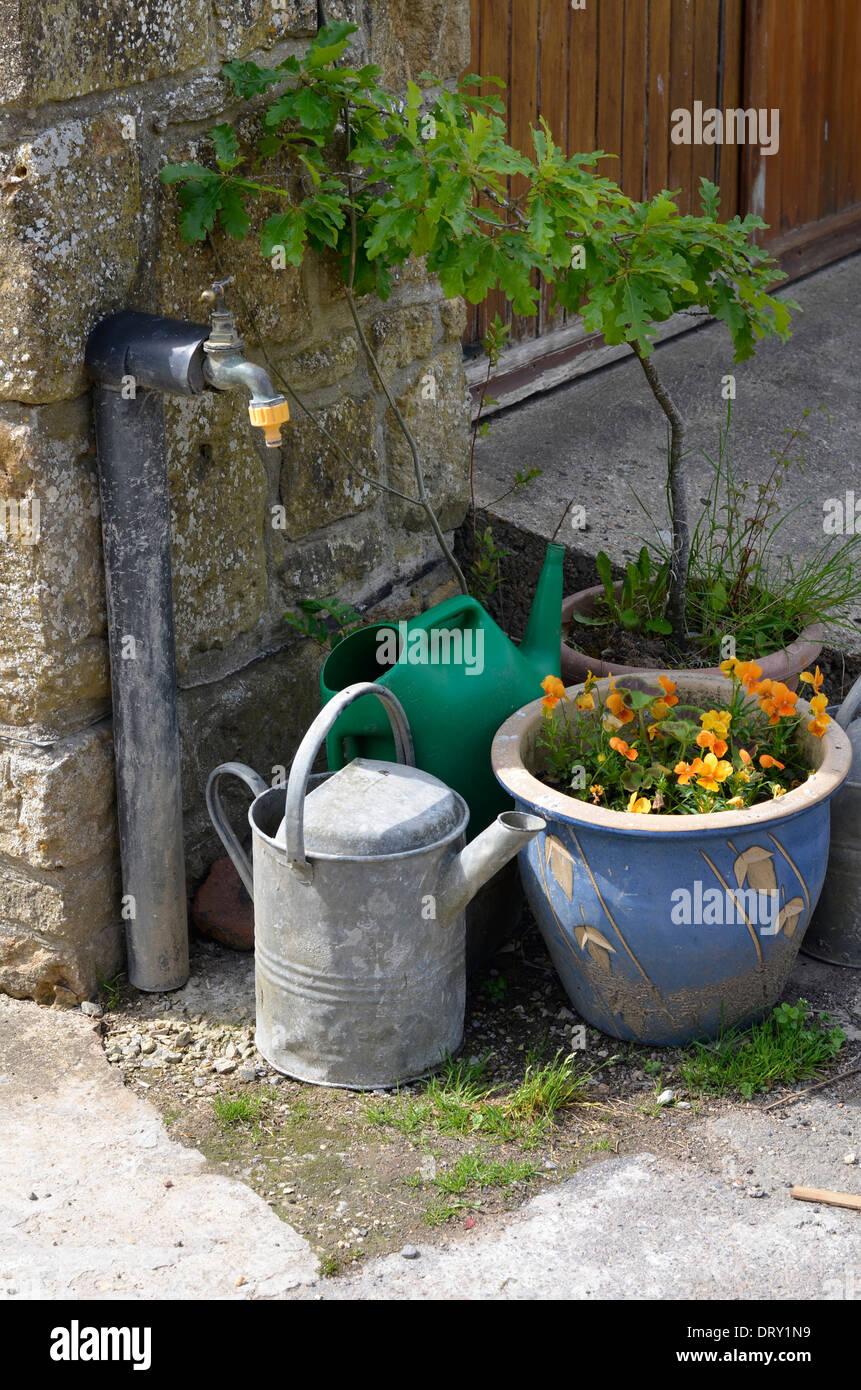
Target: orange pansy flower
x=620 y=746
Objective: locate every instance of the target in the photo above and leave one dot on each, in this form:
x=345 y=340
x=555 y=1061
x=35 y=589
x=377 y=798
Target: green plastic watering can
x=458 y=678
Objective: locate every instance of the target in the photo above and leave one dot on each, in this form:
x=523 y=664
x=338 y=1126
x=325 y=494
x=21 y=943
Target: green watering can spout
x=541 y=645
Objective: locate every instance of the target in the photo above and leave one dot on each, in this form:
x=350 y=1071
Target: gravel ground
x=361 y=1176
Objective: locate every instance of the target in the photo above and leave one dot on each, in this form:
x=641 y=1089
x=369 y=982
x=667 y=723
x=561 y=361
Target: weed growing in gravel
x=790 y=1045
x=439 y=1212
x=110 y=990
x=477 y=1168
x=457 y=1101
x=231 y=1111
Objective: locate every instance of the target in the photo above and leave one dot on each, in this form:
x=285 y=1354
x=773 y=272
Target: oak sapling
x=376 y=177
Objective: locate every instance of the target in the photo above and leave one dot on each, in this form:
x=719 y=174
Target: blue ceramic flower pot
x=667 y=928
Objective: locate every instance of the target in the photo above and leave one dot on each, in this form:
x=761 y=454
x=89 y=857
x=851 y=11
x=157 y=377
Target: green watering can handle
x=310 y=747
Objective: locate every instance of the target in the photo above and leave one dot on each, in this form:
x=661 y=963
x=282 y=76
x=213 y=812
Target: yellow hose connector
x=270 y=418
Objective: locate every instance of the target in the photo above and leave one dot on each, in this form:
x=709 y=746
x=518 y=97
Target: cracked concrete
x=121 y=1211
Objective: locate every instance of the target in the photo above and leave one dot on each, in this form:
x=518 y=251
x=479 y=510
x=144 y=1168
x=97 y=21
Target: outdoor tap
x=226 y=368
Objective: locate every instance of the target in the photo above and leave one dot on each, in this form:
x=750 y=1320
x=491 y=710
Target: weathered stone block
x=245 y=25
x=257 y=717
x=53 y=649
x=401 y=336
x=317 y=485
x=452 y=314
x=334 y=564
x=60 y=931
x=219 y=491
x=66 y=48
x=436 y=410
x=321 y=366
x=407 y=39
x=276 y=298
x=68 y=251
x=57 y=804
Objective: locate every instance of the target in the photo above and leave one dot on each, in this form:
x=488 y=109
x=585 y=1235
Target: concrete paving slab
x=602 y=439
x=96 y=1201
x=646 y=1228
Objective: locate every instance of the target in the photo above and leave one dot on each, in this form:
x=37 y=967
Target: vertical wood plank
x=731 y=96
x=681 y=94
x=658 y=160
x=704 y=158
x=611 y=27
x=524 y=111
x=756 y=176
x=473 y=330
x=635 y=77
x=495 y=62
x=811 y=98
x=553 y=101
x=582 y=80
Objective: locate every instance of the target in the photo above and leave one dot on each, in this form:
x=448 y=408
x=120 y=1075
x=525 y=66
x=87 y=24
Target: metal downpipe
x=136 y=530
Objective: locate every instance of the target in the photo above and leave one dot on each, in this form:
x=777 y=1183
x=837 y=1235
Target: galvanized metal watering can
x=834 y=934
x=359 y=888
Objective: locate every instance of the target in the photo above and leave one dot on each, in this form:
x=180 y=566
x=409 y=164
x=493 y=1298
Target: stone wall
x=93 y=100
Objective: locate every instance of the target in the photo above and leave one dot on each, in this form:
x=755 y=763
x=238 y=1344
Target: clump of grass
x=458 y=1101
x=232 y=1111
x=438 y=1213
x=479 y=1170
x=792 y=1044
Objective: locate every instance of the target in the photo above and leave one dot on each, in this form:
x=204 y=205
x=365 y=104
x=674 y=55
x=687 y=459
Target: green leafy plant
x=326 y=621
x=111 y=990
x=641 y=601
x=484 y=570
x=374 y=178
x=792 y=1044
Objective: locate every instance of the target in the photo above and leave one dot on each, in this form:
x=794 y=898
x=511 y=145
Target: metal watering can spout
x=481 y=859
x=543 y=637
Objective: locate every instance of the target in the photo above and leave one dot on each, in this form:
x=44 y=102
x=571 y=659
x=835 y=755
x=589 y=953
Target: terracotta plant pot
x=668 y=928
x=784 y=665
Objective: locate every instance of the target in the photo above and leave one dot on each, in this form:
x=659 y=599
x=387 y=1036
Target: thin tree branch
x=681 y=543
x=423 y=500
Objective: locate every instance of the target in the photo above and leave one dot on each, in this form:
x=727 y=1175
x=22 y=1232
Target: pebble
x=683 y=1105
x=666 y=1098
x=173 y=1056
x=91 y=1010
x=756 y=1192
x=148 y=1046
x=410 y=1252
x=247 y=1074
x=224 y=1066
x=850 y=1158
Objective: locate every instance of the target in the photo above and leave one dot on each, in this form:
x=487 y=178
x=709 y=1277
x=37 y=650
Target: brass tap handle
x=215 y=295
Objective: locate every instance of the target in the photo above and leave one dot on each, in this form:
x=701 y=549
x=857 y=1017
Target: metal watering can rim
x=314 y=855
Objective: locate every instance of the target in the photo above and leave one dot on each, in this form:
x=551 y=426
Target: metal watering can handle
x=226 y=833
x=310 y=747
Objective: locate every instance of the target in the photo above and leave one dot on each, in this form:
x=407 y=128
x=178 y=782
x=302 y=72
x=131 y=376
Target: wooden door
x=611 y=74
